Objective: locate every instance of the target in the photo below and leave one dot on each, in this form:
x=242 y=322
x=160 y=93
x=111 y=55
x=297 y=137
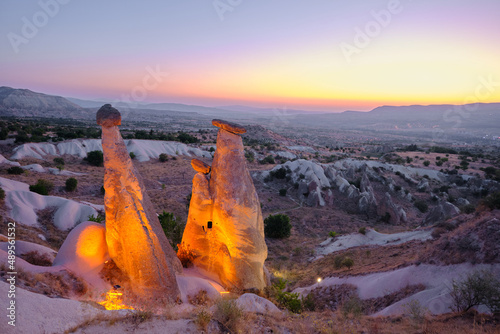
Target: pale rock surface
x=396 y=213
x=135 y=239
x=24 y=247
x=23 y=205
x=250 y=302
x=84 y=251
x=4 y=160
x=444 y=210
x=437 y=280
x=233 y=248
x=36 y=313
x=143 y=149
x=371 y=237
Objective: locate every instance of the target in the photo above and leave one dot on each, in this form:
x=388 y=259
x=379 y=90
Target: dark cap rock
x=108 y=116
x=200 y=166
x=231 y=127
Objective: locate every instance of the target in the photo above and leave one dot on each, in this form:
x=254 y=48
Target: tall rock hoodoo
x=135 y=239
x=225 y=228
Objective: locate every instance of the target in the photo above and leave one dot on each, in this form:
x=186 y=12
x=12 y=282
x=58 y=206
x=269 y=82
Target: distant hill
x=168 y=108
x=458 y=117
x=26 y=103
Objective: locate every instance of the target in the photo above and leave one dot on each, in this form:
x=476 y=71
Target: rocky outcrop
x=444 y=210
x=396 y=214
x=230 y=127
x=200 y=166
x=84 y=250
x=135 y=239
x=367 y=202
x=225 y=228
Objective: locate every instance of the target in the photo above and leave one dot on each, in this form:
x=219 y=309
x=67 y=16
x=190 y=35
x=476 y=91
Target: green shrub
x=163 y=157
x=362 y=230
x=132 y=155
x=352 y=306
x=277 y=226
x=15 y=170
x=59 y=161
x=426 y=163
x=42 y=187
x=173 y=230
x=283 y=192
x=492 y=201
x=71 y=184
x=333 y=234
x=285 y=299
x=202 y=320
x=309 y=302
x=249 y=155
x=337 y=262
x=95 y=158
x=469 y=208
x=421 y=205
x=279 y=173
x=478 y=288
x=98 y=219
x=268 y=160
x=415 y=311
x=2 y=194
x=228 y=313
x=348 y=262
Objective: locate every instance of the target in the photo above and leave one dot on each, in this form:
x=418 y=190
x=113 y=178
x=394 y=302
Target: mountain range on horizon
x=478 y=120
x=28 y=99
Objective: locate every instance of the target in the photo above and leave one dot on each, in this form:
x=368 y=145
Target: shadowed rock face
x=134 y=236
x=233 y=248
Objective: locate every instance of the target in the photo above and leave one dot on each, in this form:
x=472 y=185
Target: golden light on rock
x=114 y=301
x=88 y=246
x=136 y=242
x=225 y=226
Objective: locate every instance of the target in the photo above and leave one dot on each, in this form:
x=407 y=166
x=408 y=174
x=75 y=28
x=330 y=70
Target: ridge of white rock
x=23 y=205
x=143 y=149
x=4 y=160
x=371 y=237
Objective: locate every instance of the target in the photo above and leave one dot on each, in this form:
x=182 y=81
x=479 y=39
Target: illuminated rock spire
x=225 y=227
x=135 y=239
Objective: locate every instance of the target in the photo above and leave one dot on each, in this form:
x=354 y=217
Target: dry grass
x=60 y=284
x=37 y=259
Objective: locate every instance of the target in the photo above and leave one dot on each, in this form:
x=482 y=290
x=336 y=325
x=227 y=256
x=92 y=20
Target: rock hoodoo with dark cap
x=225 y=226
x=135 y=239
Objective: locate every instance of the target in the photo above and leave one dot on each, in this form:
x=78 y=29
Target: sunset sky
x=319 y=55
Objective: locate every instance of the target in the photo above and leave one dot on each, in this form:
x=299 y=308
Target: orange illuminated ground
x=114 y=301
